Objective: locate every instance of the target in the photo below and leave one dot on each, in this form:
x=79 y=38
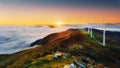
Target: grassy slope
x=32 y=58
x=49 y=62
x=110 y=42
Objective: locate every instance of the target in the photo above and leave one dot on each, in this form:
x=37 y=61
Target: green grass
x=4 y=59
x=91 y=40
x=44 y=62
x=40 y=57
x=110 y=42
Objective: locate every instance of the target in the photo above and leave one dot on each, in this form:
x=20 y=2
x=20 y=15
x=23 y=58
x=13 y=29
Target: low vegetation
x=72 y=41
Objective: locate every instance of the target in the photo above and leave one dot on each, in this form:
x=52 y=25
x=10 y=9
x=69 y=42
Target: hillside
x=77 y=44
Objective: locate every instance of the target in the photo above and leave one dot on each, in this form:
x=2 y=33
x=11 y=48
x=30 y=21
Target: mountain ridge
x=72 y=41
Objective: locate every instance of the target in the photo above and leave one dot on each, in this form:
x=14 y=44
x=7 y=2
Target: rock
x=58 y=54
x=100 y=66
x=90 y=61
x=72 y=66
x=66 y=66
x=82 y=65
x=89 y=66
x=66 y=55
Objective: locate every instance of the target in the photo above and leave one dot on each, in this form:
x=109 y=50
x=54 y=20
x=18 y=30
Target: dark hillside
x=72 y=41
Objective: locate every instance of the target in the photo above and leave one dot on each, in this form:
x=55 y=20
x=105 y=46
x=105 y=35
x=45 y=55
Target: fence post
x=91 y=32
x=104 y=37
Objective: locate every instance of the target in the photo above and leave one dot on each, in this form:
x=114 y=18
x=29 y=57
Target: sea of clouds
x=17 y=38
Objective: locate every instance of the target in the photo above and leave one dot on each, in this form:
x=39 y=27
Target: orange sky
x=40 y=15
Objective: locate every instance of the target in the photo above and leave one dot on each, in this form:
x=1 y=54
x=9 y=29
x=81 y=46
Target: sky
x=47 y=12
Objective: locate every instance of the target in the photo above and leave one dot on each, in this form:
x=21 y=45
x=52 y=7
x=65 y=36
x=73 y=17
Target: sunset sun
x=59 y=23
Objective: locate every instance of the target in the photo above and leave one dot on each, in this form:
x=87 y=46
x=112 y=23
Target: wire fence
x=104 y=37
x=97 y=39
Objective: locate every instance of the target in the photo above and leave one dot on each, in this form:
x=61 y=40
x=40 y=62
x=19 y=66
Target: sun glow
x=59 y=23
